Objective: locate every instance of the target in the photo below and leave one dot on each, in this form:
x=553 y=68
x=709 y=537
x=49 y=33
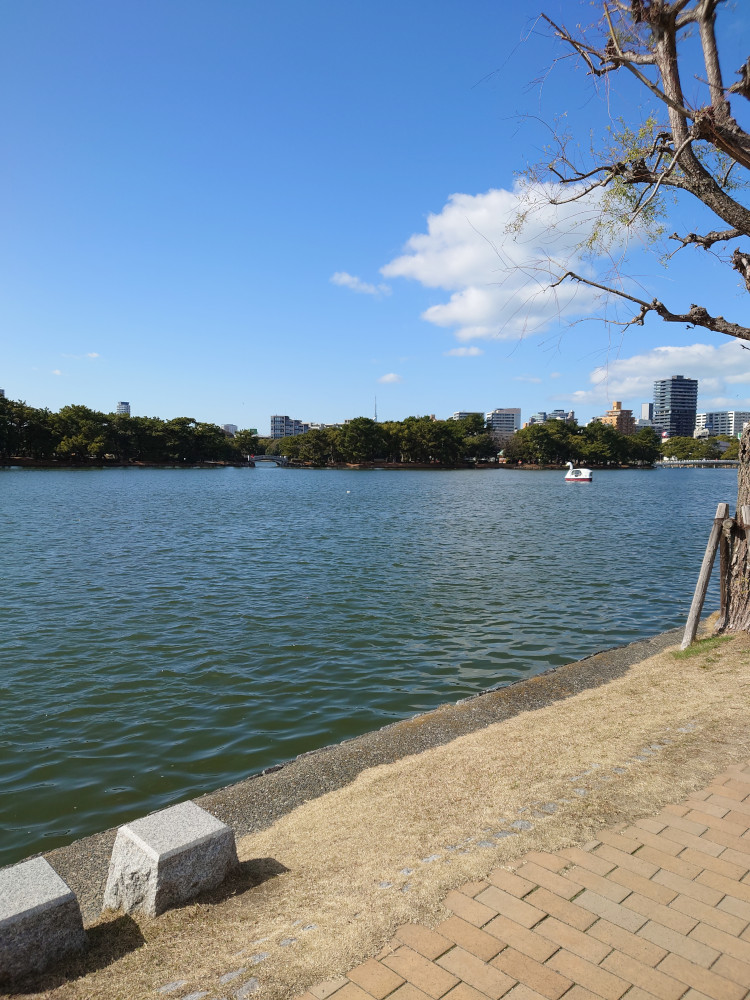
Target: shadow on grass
x=115 y=936
x=249 y=875
x=108 y=941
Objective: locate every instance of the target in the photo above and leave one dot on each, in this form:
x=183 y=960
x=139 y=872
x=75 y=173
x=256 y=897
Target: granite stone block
x=40 y=919
x=167 y=858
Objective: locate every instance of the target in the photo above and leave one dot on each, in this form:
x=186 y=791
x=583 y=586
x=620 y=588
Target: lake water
x=167 y=632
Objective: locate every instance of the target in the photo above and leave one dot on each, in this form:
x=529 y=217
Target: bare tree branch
x=696 y=315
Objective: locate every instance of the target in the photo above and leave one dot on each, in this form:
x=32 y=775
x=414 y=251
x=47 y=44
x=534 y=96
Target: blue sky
x=226 y=209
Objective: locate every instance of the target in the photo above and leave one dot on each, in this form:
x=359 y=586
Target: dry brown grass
x=340 y=850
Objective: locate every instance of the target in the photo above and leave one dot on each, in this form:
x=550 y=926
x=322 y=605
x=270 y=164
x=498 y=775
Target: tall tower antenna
x=376 y=409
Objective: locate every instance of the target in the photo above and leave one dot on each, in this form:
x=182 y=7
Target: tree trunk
x=738 y=590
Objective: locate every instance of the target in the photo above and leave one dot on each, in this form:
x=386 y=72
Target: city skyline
x=235 y=211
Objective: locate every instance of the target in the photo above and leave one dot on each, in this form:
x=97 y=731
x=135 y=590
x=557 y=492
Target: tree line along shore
x=77 y=435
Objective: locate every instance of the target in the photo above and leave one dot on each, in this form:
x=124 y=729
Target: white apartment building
x=463 y=414
x=283 y=426
x=729 y=422
x=504 y=420
x=123 y=408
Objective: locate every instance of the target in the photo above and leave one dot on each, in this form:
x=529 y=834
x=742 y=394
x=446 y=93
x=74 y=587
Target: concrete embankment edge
x=258 y=801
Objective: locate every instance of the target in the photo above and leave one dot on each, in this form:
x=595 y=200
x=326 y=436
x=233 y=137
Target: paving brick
x=554 y=862
x=636 y=993
x=655 y=983
x=737 y=907
x=469 y=937
x=734 y=827
x=375 y=978
x=566 y=885
x=738 y=889
x=709 y=914
x=661 y=860
x=509 y=882
x=517 y=909
x=470 y=969
x=675 y=810
x=736 y=857
x=687 y=887
x=733 y=789
x=725 y=791
x=630 y=944
x=468 y=909
x=721 y=941
x=420 y=972
x=323 y=990
x=528 y=942
x=666 y=915
x=599 y=981
x=732 y=968
x=532 y=974
x=351 y=992
x=706 y=809
x=575 y=941
x=409 y=992
x=614 y=912
x=578 y=993
x=687 y=947
x=620 y=841
x=727 y=868
x=592 y=862
x=604 y=886
x=701 y=979
x=646 y=886
x=704 y=845
x=639 y=865
x=724 y=838
x=658 y=842
x=650 y=825
x=554 y=905
x=694 y=995
x=728 y=804
x=739 y=819
x=688 y=825
x=465 y=992
x=422 y=939
x=472 y=889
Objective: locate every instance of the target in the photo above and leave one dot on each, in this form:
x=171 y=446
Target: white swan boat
x=578 y=475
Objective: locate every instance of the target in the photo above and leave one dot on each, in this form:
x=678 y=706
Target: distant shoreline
x=31 y=463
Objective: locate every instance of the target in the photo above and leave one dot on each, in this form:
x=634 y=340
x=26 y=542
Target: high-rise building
x=729 y=422
x=123 y=408
x=647 y=412
x=504 y=420
x=230 y=429
x=2 y=393
x=621 y=420
x=675 y=405
x=463 y=414
x=566 y=415
x=283 y=426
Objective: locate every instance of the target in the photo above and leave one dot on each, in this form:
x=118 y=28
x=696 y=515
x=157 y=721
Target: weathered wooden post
x=722 y=512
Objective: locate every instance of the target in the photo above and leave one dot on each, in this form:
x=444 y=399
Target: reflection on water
x=170 y=631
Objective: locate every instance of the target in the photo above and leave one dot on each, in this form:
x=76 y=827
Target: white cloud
x=555 y=374
x=92 y=354
x=463 y=352
x=390 y=377
x=356 y=284
x=718 y=370
x=499 y=278
x=56 y=371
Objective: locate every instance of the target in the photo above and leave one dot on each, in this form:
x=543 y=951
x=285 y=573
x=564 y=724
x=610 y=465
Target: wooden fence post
x=722 y=512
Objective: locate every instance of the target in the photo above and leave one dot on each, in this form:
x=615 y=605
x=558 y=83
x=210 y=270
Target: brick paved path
x=659 y=909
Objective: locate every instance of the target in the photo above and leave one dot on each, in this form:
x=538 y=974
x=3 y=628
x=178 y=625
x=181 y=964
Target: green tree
x=361 y=440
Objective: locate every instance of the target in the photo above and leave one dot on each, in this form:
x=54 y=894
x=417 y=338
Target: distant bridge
x=276 y=459
x=698 y=463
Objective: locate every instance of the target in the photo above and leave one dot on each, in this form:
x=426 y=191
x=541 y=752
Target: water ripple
x=167 y=632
